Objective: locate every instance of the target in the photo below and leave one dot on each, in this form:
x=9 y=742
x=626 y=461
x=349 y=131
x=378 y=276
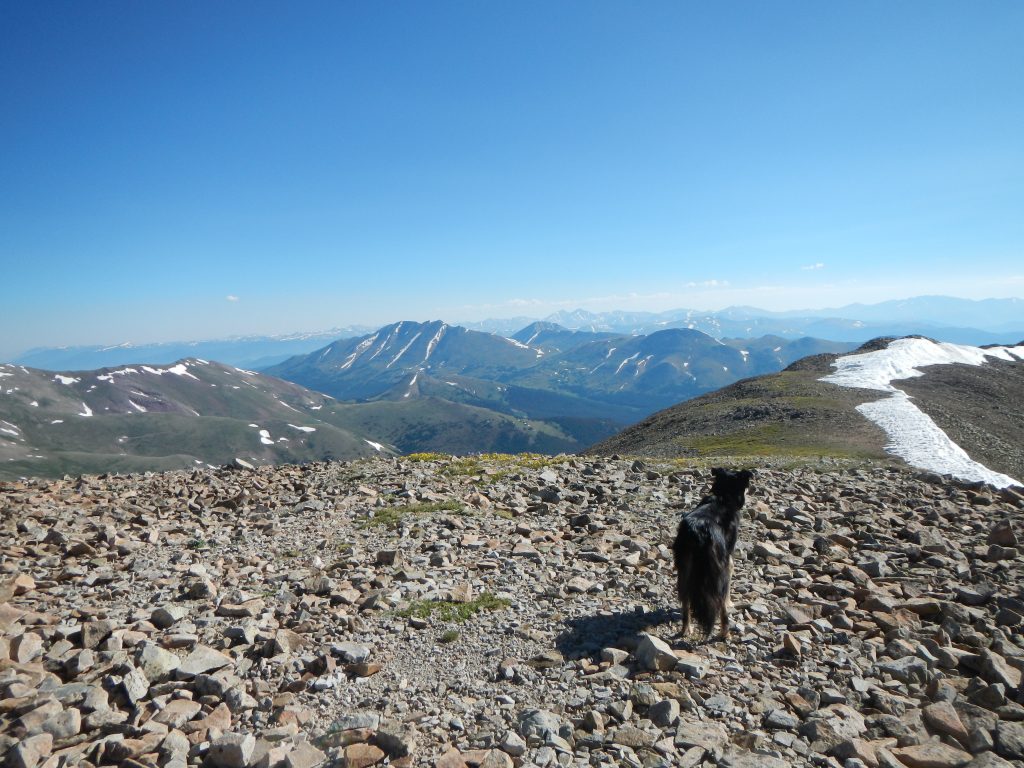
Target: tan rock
x=23 y=584
x=30 y=752
x=942 y=718
x=362 y=755
x=26 y=648
x=452 y=758
x=177 y=712
x=931 y=754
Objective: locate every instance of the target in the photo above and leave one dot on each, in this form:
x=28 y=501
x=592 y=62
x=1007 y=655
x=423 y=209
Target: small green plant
x=447 y=610
x=423 y=456
x=449 y=636
x=198 y=542
x=392 y=517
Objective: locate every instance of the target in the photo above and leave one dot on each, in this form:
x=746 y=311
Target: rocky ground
x=504 y=612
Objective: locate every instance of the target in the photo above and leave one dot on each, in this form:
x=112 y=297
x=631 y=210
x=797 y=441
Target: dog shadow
x=587 y=636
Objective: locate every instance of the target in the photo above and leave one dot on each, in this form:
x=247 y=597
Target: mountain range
x=962 y=321
x=196 y=413
x=432 y=387
x=407 y=387
x=543 y=371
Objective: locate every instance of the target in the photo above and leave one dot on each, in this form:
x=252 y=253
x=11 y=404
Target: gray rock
x=305 y=755
x=232 y=750
x=136 y=685
x=513 y=744
x=909 y=669
x=352 y=720
x=352 y=653
x=202 y=659
x=654 y=653
x=1010 y=740
x=166 y=616
x=664 y=713
x=156 y=663
x=779 y=719
x=538 y=723
x=712 y=737
x=397 y=739
x=629 y=736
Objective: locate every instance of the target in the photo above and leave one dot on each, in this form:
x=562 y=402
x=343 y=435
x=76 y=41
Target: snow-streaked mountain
x=543 y=371
x=160 y=417
x=368 y=366
x=143 y=417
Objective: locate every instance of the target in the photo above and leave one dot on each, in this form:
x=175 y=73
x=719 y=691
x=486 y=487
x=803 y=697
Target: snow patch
x=303 y=429
x=362 y=347
x=913 y=436
x=623 y=363
x=57 y=421
x=433 y=342
x=5 y=374
x=136 y=406
x=376 y=446
x=265 y=437
x=178 y=370
x=66 y=379
x=404 y=350
x=86 y=410
x=34 y=404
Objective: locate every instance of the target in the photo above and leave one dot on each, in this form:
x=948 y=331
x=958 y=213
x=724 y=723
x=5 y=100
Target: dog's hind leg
x=683 y=591
x=728 y=589
x=726 y=605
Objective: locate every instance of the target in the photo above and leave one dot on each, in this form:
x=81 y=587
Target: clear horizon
x=196 y=172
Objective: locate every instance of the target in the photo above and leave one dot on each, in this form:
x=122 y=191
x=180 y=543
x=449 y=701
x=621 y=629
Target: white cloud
x=819 y=265
x=231 y=297
x=708 y=284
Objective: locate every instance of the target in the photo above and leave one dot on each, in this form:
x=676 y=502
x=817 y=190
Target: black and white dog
x=703 y=552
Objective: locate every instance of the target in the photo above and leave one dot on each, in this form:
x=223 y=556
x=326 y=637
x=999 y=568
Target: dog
x=702 y=551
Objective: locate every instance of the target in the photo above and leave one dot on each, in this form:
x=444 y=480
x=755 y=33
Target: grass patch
x=446 y=610
x=392 y=517
x=770 y=440
x=450 y=636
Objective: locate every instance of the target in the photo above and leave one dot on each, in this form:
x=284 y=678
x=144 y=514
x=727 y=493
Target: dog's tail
x=703 y=566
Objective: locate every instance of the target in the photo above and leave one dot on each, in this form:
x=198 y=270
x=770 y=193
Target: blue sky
x=195 y=170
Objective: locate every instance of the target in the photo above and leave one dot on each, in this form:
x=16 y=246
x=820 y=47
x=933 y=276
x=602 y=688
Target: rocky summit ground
x=504 y=612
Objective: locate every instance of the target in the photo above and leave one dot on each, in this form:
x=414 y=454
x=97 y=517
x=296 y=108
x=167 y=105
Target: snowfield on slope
x=913 y=436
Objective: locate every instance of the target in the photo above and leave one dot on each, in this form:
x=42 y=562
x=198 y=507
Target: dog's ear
x=717 y=471
x=746 y=476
